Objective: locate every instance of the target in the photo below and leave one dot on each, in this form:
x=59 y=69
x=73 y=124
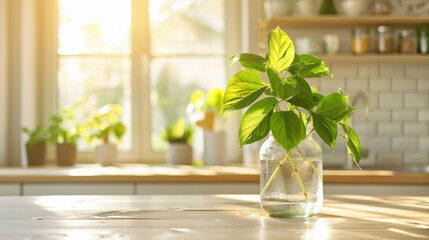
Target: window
x=187 y=53
x=110 y=51
x=94 y=56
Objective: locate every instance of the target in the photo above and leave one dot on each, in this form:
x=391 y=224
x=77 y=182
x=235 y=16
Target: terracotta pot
x=214 y=148
x=179 y=154
x=66 y=154
x=36 y=154
x=106 y=154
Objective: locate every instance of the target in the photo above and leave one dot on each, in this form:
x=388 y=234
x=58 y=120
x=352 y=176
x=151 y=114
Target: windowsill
x=139 y=173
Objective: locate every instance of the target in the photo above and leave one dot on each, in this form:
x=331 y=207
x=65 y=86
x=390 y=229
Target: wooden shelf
x=342 y=21
x=377 y=58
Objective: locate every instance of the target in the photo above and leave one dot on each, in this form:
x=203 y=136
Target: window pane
x=94 y=26
x=94 y=82
x=173 y=80
x=183 y=26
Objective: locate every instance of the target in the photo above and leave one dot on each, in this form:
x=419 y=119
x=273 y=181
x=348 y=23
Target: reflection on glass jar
x=407 y=41
x=360 y=41
x=384 y=40
x=423 y=39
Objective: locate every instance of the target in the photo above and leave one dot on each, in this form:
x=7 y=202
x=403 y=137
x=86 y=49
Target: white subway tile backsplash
x=404 y=115
x=416 y=129
x=416 y=100
x=423 y=115
x=389 y=128
x=379 y=84
x=377 y=115
x=368 y=71
x=423 y=84
x=417 y=70
x=404 y=143
x=389 y=159
x=373 y=100
x=344 y=70
x=357 y=83
x=396 y=132
x=424 y=143
x=379 y=143
x=415 y=158
x=394 y=70
x=404 y=85
x=328 y=85
x=391 y=100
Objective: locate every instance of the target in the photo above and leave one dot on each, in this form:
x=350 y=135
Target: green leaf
x=309 y=66
x=326 y=128
x=281 y=51
x=353 y=143
x=242 y=90
x=284 y=89
x=334 y=106
x=250 y=60
x=304 y=98
x=288 y=129
x=255 y=124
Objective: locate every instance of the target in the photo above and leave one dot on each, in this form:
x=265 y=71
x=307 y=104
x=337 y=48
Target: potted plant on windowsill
x=99 y=128
x=65 y=131
x=291 y=110
x=210 y=105
x=179 y=137
x=36 y=145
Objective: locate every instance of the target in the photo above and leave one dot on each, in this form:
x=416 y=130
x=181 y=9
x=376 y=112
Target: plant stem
x=275 y=173
x=311 y=131
x=311 y=163
x=299 y=179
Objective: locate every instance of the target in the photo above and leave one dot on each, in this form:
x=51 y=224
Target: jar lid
x=384 y=29
x=407 y=33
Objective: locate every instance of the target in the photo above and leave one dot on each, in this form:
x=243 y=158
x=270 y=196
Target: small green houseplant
x=179 y=137
x=210 y=104
x=99 y=128
x=65 y=131
x=291 y=110
x=36 y=145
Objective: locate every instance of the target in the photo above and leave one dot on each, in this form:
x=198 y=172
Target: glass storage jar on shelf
x=381 y=7
x=360 y=43
x=282 y=194
x=407 y=42
x=423 y=39
x=384 y=40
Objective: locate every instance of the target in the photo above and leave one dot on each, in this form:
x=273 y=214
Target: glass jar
x=384 y=40
x=381 y=7
x=423 y=39
x=407 y=41
x=360 y=41
x=283 y=195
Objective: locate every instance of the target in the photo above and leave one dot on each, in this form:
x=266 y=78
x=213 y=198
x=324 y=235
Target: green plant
x=179 y=132
x=38 y=135
x=64 y=128
x=210 y=105
x=290 y=103
x=104 y=122
x=210 y=102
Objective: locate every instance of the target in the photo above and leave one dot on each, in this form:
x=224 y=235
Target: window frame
x=141 y=151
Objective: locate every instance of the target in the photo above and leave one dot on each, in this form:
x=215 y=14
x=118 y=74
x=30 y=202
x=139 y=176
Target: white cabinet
x=197 y=188
x=37 y=189
x=10 y=189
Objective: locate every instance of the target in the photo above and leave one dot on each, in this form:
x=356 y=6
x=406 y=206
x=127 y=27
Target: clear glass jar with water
x=291 y=193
